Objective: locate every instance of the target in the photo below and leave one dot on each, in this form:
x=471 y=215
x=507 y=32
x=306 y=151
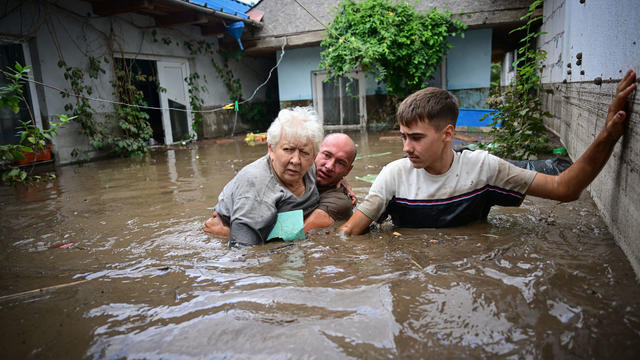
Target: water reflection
x=142 y=280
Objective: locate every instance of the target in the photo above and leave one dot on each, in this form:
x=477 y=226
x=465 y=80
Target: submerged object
x=553 y=166
x=258 y=138
x=289 y=226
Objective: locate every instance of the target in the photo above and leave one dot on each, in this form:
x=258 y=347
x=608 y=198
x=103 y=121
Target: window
x=11 y=53
x=340 y=104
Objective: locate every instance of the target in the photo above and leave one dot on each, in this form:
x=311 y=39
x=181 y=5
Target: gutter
x=213 y=12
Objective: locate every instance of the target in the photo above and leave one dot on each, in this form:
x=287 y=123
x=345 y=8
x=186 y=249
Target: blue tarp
x=471 y=117
x=230 y=7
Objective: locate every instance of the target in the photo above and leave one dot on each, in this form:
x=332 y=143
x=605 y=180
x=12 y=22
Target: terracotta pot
x=29 y=157
x=43 y=154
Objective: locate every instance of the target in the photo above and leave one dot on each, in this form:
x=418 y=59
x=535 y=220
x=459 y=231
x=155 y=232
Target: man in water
x=436 y=187
x=333 y=162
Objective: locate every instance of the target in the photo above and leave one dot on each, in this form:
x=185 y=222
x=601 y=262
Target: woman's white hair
x=297 y=123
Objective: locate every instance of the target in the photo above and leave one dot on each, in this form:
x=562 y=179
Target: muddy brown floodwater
x=142 y=280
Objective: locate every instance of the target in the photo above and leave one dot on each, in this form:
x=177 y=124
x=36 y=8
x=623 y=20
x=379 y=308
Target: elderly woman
x=283 y=180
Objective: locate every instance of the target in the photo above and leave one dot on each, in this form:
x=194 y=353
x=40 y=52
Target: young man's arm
x=569 y=184
x=356 y=225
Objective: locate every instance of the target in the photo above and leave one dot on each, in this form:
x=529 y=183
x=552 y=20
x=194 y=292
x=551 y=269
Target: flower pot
x=43 y=154
x=29 y=157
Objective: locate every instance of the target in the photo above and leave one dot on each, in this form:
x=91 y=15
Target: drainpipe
x=217 y=13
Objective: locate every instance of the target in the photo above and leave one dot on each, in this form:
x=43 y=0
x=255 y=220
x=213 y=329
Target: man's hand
x=616 y=123
x=357 y=224
x=569 y=184
x=343 y=183
x=216 y=226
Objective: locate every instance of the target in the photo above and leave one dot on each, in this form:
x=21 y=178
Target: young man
x=333 y=162
x=436 y=187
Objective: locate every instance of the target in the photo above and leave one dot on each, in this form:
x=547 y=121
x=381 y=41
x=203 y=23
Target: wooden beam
x=271 y=44
x=213 y=28
x=184 y=18
x=115 y=7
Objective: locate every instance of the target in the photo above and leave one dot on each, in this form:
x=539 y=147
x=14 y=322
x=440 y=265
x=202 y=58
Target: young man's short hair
x=436 y=106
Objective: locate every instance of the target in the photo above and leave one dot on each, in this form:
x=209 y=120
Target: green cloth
x=372 y=155
x=289 y=226
x=370 y=178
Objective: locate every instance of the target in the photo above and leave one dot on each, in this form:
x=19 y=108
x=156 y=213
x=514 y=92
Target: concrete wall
x=469 y=68
x=607 y=34
x=67 y=30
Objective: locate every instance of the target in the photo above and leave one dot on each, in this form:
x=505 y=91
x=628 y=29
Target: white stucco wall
x=607 y=33
x=77 y=33
x=294 y=73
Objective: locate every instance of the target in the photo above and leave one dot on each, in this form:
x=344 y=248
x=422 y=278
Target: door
x=340 y=104
x=176 y=118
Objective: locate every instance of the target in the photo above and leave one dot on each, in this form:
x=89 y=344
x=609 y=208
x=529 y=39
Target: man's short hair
x=436 y=106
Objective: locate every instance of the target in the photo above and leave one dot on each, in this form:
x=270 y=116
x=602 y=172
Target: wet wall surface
x=126 y=271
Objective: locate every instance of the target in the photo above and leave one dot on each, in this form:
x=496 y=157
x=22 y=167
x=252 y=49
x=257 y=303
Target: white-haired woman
x=283 y=180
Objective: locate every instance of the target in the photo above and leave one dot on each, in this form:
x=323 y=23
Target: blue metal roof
x=231 y=7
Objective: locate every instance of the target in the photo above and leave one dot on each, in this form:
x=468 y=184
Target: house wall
x=607 y=34
x=294 y=76
x=468 y=64
x=64 y=30
x=294 y=73
x=287 y=17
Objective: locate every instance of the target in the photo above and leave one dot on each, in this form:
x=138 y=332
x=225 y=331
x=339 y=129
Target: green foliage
x=523 y=135
x=253 y=113
x=32 y=139
x=80 y=107
x=133 y=125
x=11 y=94
x=230 y=81
x=398 y=45
x=256 y=114
x=195 y=100
x=496 y=70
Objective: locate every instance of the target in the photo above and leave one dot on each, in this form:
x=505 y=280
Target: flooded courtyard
x=110 y=261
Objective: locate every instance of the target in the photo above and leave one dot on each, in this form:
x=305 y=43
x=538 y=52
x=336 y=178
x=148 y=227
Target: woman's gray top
x=251 y=201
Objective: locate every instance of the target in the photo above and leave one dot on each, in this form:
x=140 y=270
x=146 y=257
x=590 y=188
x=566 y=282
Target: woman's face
x=290 y=159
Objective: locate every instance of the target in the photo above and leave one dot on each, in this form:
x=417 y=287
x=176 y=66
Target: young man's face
x=423 y=144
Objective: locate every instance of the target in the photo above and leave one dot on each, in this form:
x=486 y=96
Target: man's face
x=334 y=160
x=423 y=144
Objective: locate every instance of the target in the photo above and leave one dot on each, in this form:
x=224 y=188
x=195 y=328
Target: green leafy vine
x=522 y=134
x=398 y=45
x=134 y=130
x=80 y=106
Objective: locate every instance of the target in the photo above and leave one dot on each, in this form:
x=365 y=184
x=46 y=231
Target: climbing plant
x=254 y=113
x=522 y=134
x=79 y=105
x=134 y=129
x=33 y=140
x=195 y=100
x=398 y=45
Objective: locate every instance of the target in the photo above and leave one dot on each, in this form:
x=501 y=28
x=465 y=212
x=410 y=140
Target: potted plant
x=34 y=142
x=35 y=139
